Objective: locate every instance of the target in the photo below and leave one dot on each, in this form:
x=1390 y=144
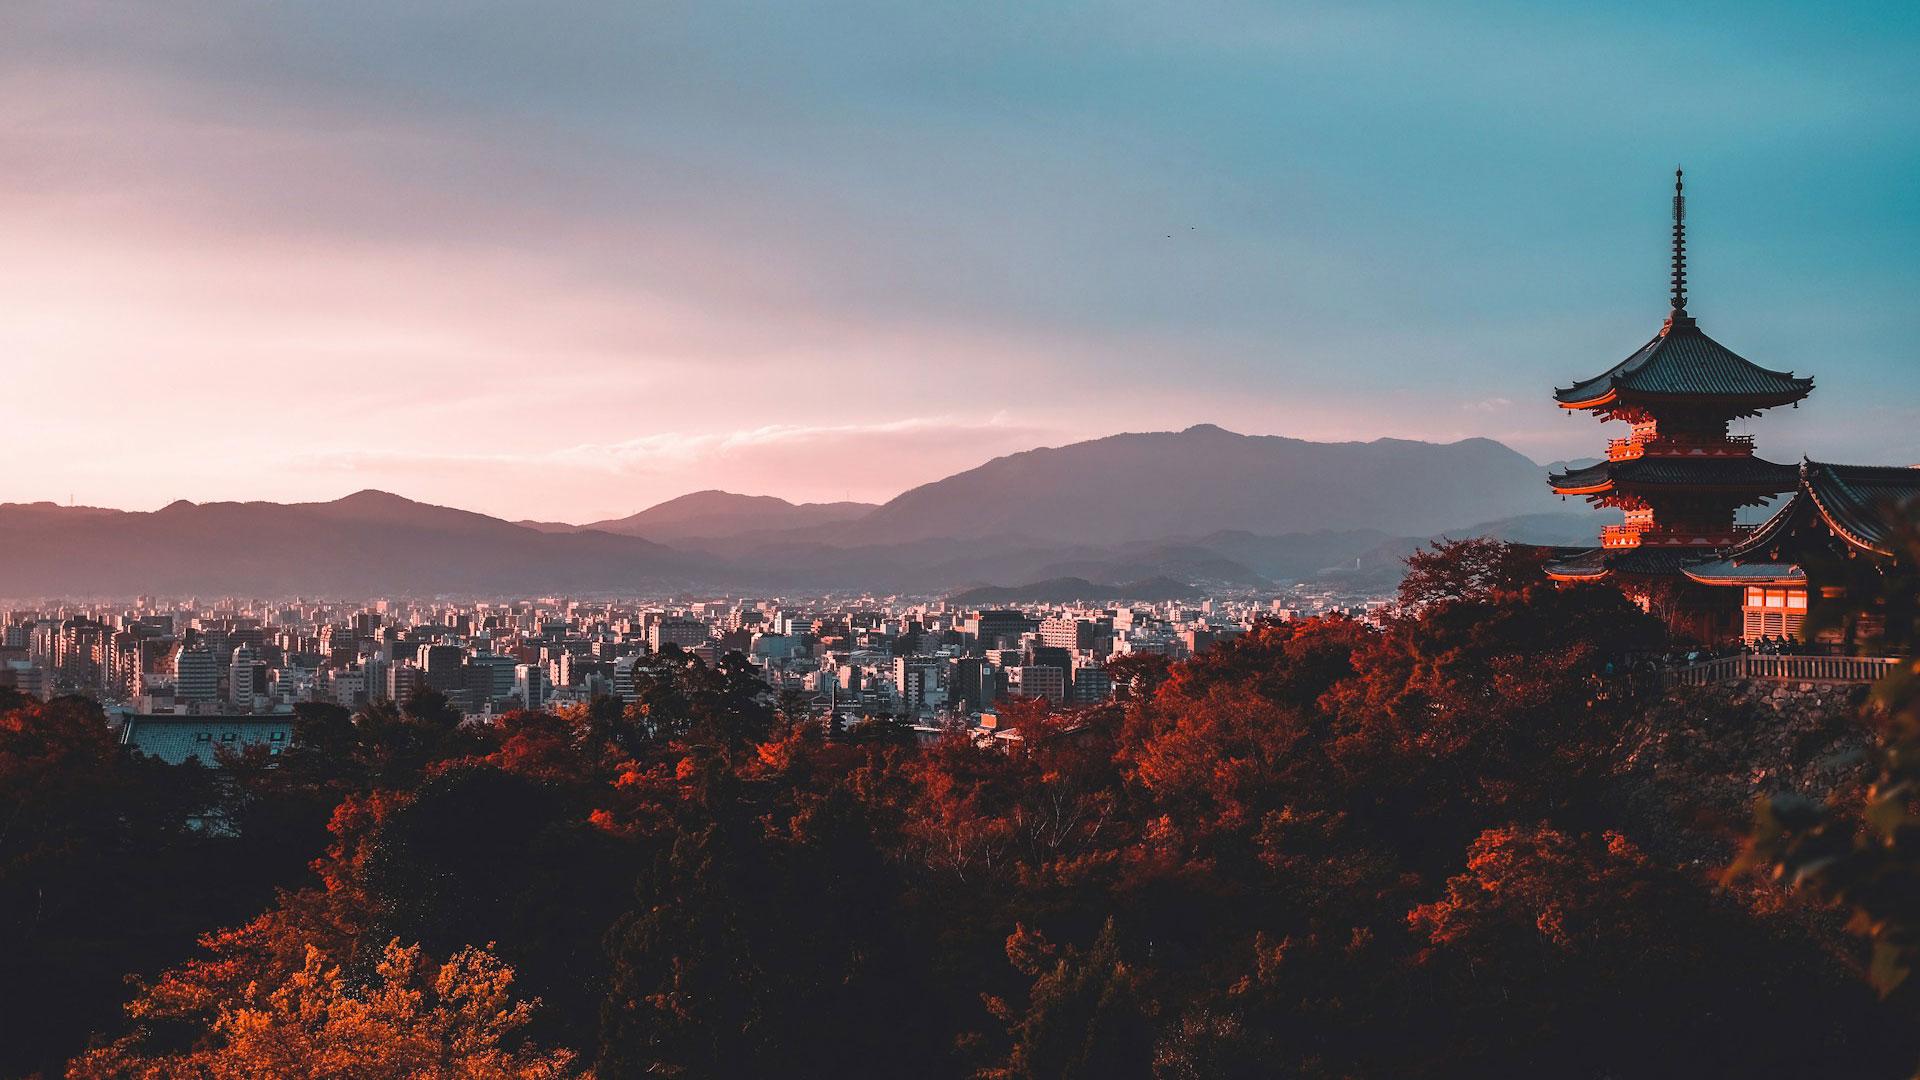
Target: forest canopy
x=1322 y=849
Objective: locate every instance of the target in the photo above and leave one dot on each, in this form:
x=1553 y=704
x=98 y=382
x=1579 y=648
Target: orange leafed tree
x=453 y=1021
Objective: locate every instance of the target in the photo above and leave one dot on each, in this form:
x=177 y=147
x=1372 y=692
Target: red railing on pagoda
x=1632 y=535
x=1679 y=446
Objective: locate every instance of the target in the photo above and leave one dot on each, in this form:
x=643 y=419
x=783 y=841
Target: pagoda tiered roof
x=1683 y=363
x=1597 y=563
x=1732 y=473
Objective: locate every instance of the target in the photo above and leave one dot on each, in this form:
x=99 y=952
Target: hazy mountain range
x=1204 y=479
x=1200 y=506
x=367 y=544
x=708 y=514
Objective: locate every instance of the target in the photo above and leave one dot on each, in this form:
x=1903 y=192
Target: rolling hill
x=1205 y=479
x=721 y=514
x=366 y=544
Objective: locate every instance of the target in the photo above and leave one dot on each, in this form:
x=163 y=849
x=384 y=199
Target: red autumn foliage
x=1321 y=849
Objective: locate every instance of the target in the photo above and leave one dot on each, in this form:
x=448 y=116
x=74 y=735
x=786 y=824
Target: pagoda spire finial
x=1679 y=244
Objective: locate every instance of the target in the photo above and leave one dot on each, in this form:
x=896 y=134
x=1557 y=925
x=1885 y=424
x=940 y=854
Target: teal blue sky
x=564 y=260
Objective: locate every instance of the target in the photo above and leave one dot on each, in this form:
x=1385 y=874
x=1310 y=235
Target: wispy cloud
x=669 y=450
x=871 y=460
x=566 y=262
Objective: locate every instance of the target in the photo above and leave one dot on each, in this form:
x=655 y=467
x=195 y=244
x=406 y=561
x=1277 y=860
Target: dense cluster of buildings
x=230 y=663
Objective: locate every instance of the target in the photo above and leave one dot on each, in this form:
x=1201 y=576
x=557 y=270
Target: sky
x=563 y=261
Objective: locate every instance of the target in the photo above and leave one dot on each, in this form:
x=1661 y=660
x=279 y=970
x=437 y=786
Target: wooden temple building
x=1851 y=525
x=1680 y=476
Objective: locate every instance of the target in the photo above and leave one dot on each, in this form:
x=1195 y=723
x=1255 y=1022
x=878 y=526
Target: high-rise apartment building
x=1037 y=681
x=993 y=628
x=1091 y=684
x=530 y=685
x=402 y=680
x=1070 y=633
x=196 y=677
x=440 y=667
x=686 y=633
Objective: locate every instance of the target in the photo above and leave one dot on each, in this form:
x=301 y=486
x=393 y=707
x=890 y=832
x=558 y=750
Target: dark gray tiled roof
x=174 y=739
x=1865 y=504
x=1687 y=363
x=1587 y=564
x=1598 y=562
x=1724 y=571
x=1749 y=473
x=1869 y=503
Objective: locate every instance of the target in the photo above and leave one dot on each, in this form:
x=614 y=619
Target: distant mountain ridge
x=1202 y=506
x=719 y=514
x=369 y=543
x=716 y=515
x=1145 y=486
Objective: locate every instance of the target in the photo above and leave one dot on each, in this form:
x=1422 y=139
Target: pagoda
x=1680 y=476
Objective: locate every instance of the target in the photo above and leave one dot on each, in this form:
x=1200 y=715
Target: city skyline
x=569 y=271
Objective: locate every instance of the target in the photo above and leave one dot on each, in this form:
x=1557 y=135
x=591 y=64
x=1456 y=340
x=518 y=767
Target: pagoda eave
x=1587 y=565
x=1753 y=490
x=1728 y=573
x=1631 y=564
x=1666 y=475
x=1590 y=403
x=1838 y=524
x=1615 y=402
x=1597 y=490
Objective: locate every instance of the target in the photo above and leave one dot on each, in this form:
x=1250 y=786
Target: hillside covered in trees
x=1446 y=848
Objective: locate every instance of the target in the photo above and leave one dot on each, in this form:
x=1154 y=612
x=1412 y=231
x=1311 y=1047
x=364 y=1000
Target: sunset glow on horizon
x=567 y=271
